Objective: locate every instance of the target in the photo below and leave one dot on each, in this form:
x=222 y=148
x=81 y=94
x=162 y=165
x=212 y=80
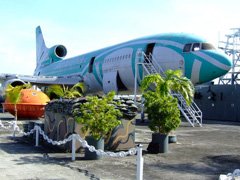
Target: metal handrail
x=149 y=63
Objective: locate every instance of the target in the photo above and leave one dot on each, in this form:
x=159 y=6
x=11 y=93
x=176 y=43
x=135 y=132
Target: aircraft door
x=90 y=70
x=110 y=82
x=149 y=49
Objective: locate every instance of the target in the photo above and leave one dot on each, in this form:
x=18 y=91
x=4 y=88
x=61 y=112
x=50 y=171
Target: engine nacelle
x=57 y=52
x=13 y=82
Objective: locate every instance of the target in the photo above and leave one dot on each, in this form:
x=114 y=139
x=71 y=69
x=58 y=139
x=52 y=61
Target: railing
x=193 y=110
x=192 y=113
x=149 y=59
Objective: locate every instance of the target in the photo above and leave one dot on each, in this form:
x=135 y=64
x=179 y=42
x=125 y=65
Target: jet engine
x=13 y=82
x=57 y=52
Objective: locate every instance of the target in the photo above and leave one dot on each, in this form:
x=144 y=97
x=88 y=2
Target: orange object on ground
x=31 y=105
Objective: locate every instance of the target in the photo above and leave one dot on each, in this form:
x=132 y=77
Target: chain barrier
x=84 y=143
x=231 y=176
x=9 y=126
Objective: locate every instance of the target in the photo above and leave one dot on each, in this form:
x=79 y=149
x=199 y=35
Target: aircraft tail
x=41 y=48
x=47 y=55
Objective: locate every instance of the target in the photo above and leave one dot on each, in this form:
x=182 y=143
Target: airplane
x=115 y=67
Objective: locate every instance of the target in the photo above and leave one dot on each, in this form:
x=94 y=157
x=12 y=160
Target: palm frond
x=64 y=91
x=55 y=89
x=172 y=80
x=13 y=94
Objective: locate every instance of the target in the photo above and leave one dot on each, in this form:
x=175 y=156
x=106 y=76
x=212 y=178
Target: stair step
x=192 y=114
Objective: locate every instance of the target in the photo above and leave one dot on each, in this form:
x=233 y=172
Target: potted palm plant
x=98 y=117
x=57 y=91
x=13 y=95
x=162 y=108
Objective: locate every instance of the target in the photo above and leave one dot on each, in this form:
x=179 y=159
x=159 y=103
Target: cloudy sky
x=83 y=26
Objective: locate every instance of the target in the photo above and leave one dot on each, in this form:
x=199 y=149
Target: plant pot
x=98 y=144
x=172 y=139
x=159 y=143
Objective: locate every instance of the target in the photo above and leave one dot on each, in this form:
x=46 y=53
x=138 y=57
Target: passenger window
x=196 y=47
x=187 y=47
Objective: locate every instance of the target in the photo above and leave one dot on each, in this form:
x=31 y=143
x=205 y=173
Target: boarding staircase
x=192 y=113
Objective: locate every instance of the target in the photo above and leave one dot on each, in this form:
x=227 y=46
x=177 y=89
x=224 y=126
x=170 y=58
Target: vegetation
x=161 y=107
x=13 y=95
x=59 y=91
x=172 y=80
x=99 y=116
x=163 y=112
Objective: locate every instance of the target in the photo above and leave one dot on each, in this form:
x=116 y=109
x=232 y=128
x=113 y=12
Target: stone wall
x=59 y=123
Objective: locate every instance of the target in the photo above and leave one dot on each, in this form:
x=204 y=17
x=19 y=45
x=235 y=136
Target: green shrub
x=99 y=116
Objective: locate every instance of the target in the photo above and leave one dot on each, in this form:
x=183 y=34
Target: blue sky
x=83 y=26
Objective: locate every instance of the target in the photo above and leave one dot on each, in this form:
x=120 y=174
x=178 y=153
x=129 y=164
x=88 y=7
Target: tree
x=172 y=80
x=161 y=107
x=62 y=91
x=13 y=95
x=163 y=113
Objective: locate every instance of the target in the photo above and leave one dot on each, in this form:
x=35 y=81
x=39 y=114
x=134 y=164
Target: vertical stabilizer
x=41 y=48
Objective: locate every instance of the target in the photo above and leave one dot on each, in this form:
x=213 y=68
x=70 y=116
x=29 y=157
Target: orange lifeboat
x=31 y=105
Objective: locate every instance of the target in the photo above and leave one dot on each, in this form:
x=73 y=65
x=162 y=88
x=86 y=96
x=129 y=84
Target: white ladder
x=192 y=113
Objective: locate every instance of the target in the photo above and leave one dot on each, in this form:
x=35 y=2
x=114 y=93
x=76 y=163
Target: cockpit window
x=207 y=46
x=196 y=47
x=187 y=47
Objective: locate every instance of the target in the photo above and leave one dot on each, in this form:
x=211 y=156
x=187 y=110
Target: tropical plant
x=161 y=107
x=98 y=116
x=65 y=92
x=13 y=95
x=163 y=112
x=172 y=80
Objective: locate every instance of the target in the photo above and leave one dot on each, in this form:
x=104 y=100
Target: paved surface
x=200 y=153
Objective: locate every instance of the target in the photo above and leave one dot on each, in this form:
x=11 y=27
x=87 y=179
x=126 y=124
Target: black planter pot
x=159 y=143
x=98 y=144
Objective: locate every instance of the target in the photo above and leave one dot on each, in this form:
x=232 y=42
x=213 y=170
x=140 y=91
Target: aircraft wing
x=40 y=80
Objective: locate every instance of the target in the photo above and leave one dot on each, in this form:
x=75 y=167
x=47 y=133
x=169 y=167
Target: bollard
x=139 y=163
x=37 y=136
x=73 y=146
x=14 y=127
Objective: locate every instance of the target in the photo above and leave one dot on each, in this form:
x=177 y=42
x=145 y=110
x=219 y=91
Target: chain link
x=84 y=143
x=8 y=127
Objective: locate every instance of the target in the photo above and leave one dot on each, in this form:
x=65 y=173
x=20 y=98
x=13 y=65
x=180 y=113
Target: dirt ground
x=201 y=153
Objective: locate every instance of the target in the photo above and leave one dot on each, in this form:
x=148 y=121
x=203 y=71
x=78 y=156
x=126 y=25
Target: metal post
x=14 y=127
x=139 y=163
x=37 y=136
x=135 y=83
x=142 y=112
x=233 y=61
x=73 y=147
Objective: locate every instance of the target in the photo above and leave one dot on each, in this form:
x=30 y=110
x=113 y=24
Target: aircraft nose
x=224 y=59
x=218 y=65
x=222 y=65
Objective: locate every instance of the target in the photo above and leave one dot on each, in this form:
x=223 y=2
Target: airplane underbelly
x=168 y=58
x=93 y=85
